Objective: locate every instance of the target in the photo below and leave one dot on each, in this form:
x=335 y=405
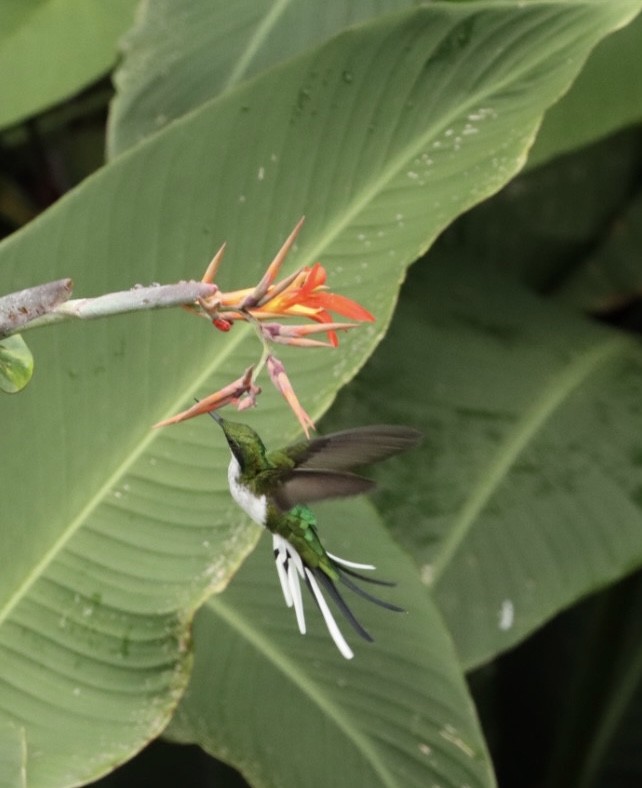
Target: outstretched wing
x=307 y=486
x=352 y=448
x=321 y=467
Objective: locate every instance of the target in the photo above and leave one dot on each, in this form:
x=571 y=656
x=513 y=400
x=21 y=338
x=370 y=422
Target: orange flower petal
x=212 y=268
x=228 y=394
x=273 y=268
x=212 y=402
x=282 y=383
x=316 y=277
x=344 y=306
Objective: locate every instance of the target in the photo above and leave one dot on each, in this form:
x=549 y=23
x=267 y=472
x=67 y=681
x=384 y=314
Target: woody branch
x=50 y=303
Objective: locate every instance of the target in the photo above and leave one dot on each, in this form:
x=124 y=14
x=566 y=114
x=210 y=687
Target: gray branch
x=18 y=309
x=49 y=303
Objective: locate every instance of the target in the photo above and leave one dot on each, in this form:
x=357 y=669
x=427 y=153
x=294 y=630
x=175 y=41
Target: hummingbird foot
x=292 y=570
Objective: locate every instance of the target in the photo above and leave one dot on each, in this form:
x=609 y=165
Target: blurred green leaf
x=179 y=55
x=398 y=714
x=612 y=276
x=116 y=533
x=597 y=736
x=527 y=492
x=541 y=227
x=16 y=364
x=50 y=50
x=606 y=97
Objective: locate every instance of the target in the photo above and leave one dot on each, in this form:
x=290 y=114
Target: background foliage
x=513 y=347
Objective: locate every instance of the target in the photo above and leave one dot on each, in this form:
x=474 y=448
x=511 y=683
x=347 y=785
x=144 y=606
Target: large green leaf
x=115 y=534
x=528 y=487
x=606 y=96
x=180 y=55
x=51 y=49
x=397 y=715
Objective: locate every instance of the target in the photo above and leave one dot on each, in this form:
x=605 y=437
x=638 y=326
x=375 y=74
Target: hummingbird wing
x=351 y=448
x=321 y=467
x=308 y=485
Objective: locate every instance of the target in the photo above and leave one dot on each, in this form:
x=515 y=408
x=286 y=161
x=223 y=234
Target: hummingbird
x=275 y=487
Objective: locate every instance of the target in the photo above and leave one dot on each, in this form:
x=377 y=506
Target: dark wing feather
x=351 y=448
x=306 y=486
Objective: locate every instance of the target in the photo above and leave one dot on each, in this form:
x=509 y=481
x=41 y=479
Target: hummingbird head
x=244 y=443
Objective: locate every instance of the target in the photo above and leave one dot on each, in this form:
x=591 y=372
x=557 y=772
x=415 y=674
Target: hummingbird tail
x=339 y=601
x=289 y=567
x=374 y=580
x=370 y=597
x=291 y=570
x=339 y=641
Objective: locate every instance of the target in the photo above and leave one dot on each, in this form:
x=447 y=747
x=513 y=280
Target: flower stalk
x=302 y=295
x=49 y=303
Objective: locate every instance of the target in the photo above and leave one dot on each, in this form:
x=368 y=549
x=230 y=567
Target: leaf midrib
x=554 y=395
x=292 y=671
x=263 y=29
x=410 y=151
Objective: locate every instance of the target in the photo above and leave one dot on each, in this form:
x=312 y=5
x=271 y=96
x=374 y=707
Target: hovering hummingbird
x=274 y=488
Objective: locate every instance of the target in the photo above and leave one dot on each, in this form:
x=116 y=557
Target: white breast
x=254 y=505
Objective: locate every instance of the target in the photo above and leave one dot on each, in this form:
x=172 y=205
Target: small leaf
x=16 y=364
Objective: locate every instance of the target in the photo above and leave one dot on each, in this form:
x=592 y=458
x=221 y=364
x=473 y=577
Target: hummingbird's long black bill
x=218 y=419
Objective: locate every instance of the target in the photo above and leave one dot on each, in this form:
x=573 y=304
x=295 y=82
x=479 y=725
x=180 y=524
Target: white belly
x=253 y=505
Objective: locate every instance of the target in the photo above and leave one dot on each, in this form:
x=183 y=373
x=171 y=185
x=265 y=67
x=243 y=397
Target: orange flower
x=241 y=393
x=301 y=294
x=307 y=296
x=298 y=335
x=279 y=377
